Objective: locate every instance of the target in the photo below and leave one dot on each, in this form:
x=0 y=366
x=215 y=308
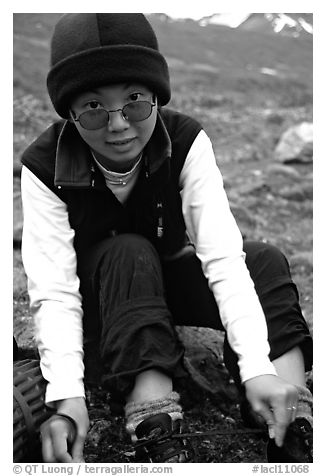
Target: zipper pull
x=146 y=167
x=159 y=207
x=92 y=173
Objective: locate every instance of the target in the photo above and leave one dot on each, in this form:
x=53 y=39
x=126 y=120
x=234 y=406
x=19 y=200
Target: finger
x=285 y=412
x=47 y=449
x=60 y=449
x=283 y=417
x=78 y=450
x=265 y=412
x=292 y=408
x=294 y=413
x=46 y=441
x=59 y=434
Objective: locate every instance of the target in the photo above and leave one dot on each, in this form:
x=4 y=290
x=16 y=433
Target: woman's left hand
x=275 y=400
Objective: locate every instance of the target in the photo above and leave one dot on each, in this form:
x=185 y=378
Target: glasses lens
x=137 y=111
x=95 y=119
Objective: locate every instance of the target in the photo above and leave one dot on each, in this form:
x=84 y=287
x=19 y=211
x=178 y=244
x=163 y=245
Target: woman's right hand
x=60 y=442
x=275 y=400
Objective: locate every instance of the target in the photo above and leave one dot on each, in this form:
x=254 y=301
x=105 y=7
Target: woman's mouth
x=121 y=142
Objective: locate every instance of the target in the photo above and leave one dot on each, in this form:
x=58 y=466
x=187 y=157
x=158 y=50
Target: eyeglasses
x=97 y=118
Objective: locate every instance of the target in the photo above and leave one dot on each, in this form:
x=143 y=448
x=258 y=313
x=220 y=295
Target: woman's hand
x=60 y=442
x=275 y=400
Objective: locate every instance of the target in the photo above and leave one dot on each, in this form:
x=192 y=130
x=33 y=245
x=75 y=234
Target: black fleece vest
x=153 y=208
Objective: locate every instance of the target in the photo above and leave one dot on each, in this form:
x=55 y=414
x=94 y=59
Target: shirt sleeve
x=50 y=262
x=219 y=246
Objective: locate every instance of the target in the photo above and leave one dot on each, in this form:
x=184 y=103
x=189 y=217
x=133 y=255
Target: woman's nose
x=117 y=122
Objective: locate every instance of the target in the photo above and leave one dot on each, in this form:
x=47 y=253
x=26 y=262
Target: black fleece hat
x=90 y=50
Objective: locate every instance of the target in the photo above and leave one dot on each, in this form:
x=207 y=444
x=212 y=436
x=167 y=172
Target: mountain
x=233 y=20
x=287 y=24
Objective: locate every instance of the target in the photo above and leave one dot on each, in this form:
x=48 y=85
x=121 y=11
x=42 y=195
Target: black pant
x=132 y=302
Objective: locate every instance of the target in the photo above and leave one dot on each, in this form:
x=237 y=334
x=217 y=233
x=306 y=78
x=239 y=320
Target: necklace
x=118 y=178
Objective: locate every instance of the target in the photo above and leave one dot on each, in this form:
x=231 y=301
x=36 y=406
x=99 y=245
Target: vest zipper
x=146 y=167
x=159 y=208
x=92 y=175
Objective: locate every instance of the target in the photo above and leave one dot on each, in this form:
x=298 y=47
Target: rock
x=286 y=182
x=298 y=193
x=280 y=171
x=204 y=364
x=197 y=339
x=296 y=144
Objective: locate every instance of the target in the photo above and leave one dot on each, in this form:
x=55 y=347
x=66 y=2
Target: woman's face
x=119 y=142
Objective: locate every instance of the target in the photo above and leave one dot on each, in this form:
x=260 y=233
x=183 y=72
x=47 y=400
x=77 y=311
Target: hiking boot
x=297 y=446
x=160 y=441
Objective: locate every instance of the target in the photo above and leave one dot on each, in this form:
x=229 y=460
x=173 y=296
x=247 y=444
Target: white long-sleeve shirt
x=50 y=264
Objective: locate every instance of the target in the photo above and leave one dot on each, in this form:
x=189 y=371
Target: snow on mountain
x=289 y=24
x=233 y=20
x=285 y=24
